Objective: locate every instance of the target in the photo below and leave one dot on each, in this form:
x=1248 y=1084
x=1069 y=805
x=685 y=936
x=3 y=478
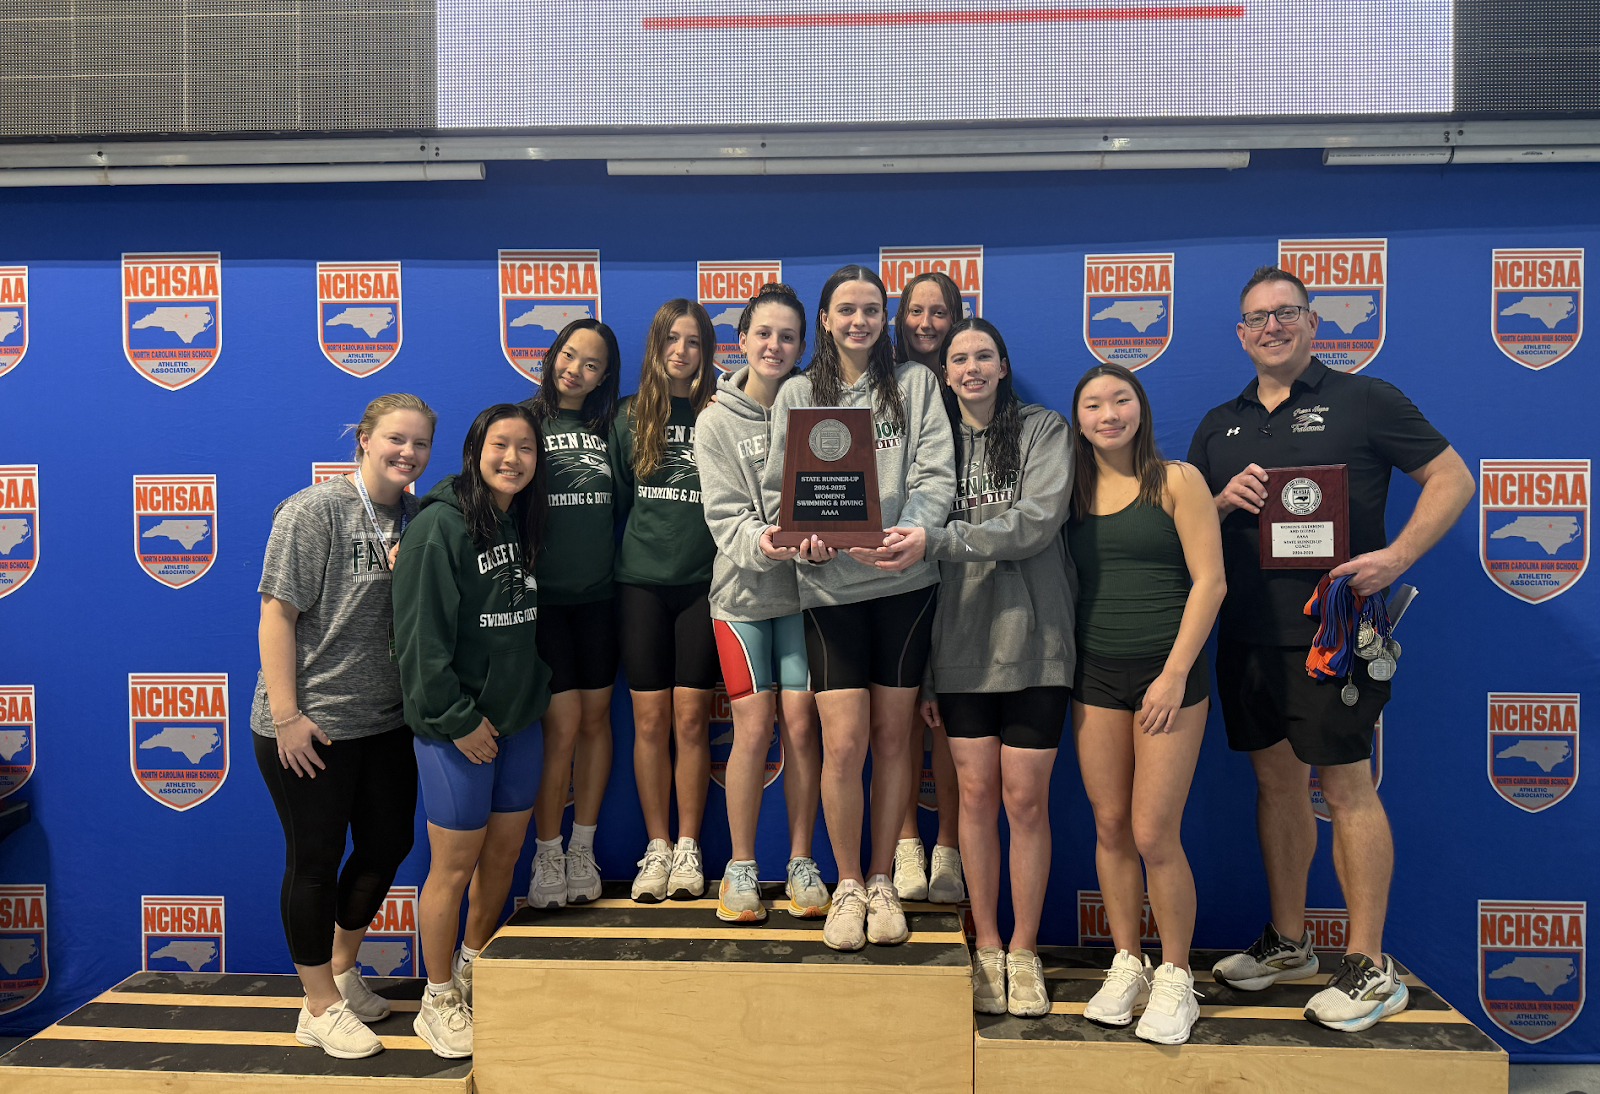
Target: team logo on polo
x=358 y=314
x=1094 y=929
x=175 y=526
x=13 y=316
x=1530 y=965
x=1127 y=307
x=183 y=934
x=1319 y=804
x=1533 y=747
x=541 y=292
x=897 y=265
x=178 y=735
x=1346 y=281
x=19 y=525
x=390 y=945
x=24 y=948
x=172 y=315
x=722 y=743
x=1538 y=303
x=1534 y=525
x=18 y=750
x=331 y=469
x=724 y=289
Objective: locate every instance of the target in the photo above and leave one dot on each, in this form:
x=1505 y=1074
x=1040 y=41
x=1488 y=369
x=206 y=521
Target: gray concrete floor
x=1555 y=1079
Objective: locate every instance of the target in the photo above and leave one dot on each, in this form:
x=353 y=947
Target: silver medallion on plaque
x=1301 y=497
x=830 y=439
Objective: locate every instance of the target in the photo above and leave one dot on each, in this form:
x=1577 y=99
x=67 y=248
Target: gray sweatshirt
x=1005 y=617
x=916 y=482
x=730 y=448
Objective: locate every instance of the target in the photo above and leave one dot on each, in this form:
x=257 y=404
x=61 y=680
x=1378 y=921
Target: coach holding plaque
x=1269 y=457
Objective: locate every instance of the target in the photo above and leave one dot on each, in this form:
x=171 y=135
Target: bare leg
x=592 y=765
x=691 y=730
x=890 y=713
x=1287 y=830
x=1104 y=739
x=977 y=764
x=1163 y=769
x=845 y=716
x=560 y=725
x=1025 y=786
x=747 y=764
x=1363 y=852
x=455 y=855
x=802 y=767
x=491 y=881
x=908 y=828
x=652 y=759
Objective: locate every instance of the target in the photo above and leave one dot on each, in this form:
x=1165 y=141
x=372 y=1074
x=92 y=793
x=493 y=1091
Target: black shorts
x=666 y=637
x=1030 y=718
x=579 y=643
x=884 y=641
x=1267 y=697
x=1119 y=683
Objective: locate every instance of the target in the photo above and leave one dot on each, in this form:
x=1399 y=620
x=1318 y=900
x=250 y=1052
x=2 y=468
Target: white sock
x=552 y=846
x=436 y=990
x=582 y=836
x=467 y=954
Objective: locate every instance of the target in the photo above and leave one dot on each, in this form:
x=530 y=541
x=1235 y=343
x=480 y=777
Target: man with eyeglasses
x=1297 y=412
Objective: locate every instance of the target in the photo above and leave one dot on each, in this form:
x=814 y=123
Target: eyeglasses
x=1287 y=316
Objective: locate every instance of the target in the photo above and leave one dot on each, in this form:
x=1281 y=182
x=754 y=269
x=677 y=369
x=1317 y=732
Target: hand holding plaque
x=830 y=479
x=1305 y=523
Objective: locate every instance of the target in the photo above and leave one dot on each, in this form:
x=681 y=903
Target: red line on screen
x=811 y=20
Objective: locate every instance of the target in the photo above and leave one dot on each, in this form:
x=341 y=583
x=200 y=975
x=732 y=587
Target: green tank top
x=1132 y=579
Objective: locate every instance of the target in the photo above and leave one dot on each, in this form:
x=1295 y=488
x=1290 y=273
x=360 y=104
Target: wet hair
x=528 y=506
x=387 y=404
x=773 y=292
x=1271 y=273
x=600 y=405
x=826 y=370
x=653 y=405
x=1004 y=449
x=1148 y=466
x=952 y=301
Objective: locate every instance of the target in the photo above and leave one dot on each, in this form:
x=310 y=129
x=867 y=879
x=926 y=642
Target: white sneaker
x=886 y=922
x=650 y=883
x=808 y=895
x=1026 y=994
x=337 y=1031
x=444 y=1021
x=687 y=879
x=1173 y=1007
x=739 y=898
x=910 y=870
x=363 y=1002
x=847 y=917
x=944 y=876
x=547 y=887
x=1126 y=986
x=1360 y=995
x=989 y=980
x=583 y=875
x=461 y=973
x=1269 y=959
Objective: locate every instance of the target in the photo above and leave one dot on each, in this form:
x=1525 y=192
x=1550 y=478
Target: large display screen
x=708 y=63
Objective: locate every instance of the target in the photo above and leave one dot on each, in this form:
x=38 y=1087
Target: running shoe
x=1173 y=1007
x=444 y=1021
x=886 y=922
x=847 y=917
x=808 y=896
x=547 y=885
x=910 y=870
x=1127 y=985
x=336 y=1031
x=687 y=879
x=1026 y=995
x=650 y=883
x=583 y=875
x=989 y=980
x=944 y=876
x=1269 y=959
x=1361 y=995
x=461 y=973
x=363 y=1002
x=739 y=898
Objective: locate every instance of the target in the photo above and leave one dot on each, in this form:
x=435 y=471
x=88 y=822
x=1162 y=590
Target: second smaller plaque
x=830 y=479
x=1305 y=523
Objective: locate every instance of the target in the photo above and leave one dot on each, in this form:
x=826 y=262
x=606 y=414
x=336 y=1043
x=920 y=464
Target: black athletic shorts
x=1267 y=697
x=579 y=643
x=884 y=641
x=666 y=637
x=1030 y=718
x=1120 y=682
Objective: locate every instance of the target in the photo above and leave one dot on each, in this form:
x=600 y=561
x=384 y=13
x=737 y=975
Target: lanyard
x=366 y=502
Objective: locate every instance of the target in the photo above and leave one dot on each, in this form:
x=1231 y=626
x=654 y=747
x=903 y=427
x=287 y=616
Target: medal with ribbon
x=372 y=515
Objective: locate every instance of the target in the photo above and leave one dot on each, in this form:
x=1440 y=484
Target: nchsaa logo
x=24 y=945
x=19 y=747
x=1094 y=929
x=1534 y=525
x=19 y=525
x=1347 y=281
x=1533 y=747
x=1537 y=317
x=13 y=316
x=332 y=469
x=175 y=526
x=172 y=315
x=1329 y=927
x=178 y=735
x=1127 y=307
x=183 y=934
x=1531 y=965
x=1319 y=804
x=722 y=742
x=541 y=292
x=358 y=314
x=724 y=289
x=897 y=265
x=390 y=945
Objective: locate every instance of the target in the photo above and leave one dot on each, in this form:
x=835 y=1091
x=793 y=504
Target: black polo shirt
x=1329 y=417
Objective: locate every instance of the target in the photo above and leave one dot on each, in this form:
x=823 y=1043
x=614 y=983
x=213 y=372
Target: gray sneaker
x=363 y=1002
x=910 y=870
x=583 y=875
x=687 y=879
x=1361 y=995
x=989 y=980
x=444 y=1021
x=808 y=895
x=886 y=922
x=739 y=898
x=547 y=885
x=945 y=885
x=650 y=883
x=1026 y=994
x=461 y=973
x=847 y=918
x=1269 y=959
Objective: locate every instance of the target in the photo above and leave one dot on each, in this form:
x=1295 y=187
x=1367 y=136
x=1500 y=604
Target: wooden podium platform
x=621 y=997
x=206 y=1033
x=1256 y=1041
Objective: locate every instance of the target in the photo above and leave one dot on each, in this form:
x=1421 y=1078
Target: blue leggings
x=748 y=652
x=459 y=794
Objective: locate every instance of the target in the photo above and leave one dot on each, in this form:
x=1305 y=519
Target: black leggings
x=368 y=786
x=666 y=636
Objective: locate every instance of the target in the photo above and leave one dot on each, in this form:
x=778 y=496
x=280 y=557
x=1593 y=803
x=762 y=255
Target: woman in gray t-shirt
x=330 y=735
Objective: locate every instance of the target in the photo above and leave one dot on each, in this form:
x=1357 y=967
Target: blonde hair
x=387 y=404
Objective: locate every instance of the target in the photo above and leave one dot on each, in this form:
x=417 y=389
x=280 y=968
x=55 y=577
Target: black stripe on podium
x=237 y=1019
x=1262 y=1033
x=1295 y=994
x=230 y=1059
x=263 y=985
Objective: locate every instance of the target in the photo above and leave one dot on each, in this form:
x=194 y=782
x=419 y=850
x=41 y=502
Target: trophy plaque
x=1305 y=523
x=830 y=479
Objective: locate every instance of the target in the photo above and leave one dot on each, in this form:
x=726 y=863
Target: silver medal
x=1366 y=636
x=1349 y=695
x=1381 y=668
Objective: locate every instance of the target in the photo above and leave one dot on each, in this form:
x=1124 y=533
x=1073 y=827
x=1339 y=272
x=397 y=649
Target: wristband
x=289 y=721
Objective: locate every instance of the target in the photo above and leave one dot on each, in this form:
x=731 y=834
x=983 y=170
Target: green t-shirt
x=666 y=541
x=575 y=563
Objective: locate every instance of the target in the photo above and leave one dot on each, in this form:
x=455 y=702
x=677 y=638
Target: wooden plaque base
x=1305 y=524
x=830 y=485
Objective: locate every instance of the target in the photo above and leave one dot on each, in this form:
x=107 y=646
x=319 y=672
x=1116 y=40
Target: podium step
x=1256 y=1040
x=200 y=1032
x=626 y=997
